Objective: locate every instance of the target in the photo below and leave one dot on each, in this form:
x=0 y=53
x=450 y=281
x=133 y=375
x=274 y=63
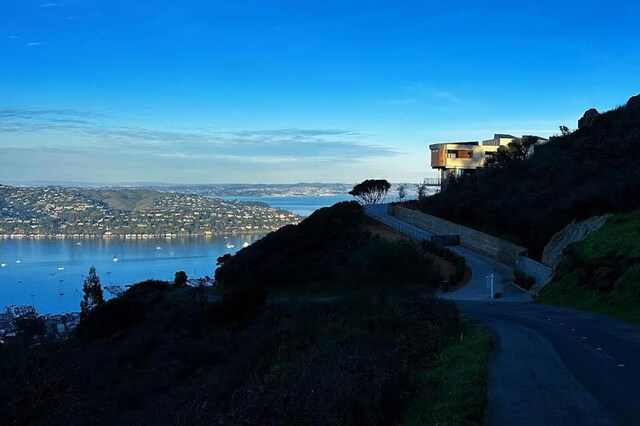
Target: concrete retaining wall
x=538 y=271
x=485 y=244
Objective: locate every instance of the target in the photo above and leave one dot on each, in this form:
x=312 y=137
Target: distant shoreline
x=132 y=236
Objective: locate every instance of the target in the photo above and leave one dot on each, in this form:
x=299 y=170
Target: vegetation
x=602 y=272
x=523 y=280
x=180 y=279
x=402 y=191
x=453 y=389
x=442 y=252
x=162 y=354
x=515 y=152
x=92 y=295
x=371 y=191
x=529 y=200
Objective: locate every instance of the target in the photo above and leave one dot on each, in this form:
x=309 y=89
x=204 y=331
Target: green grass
x=569 y=293
x=618 y=236
x=453 y=390
x=602 y=272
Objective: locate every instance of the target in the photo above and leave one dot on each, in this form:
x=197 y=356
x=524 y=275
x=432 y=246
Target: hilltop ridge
x=587 y=172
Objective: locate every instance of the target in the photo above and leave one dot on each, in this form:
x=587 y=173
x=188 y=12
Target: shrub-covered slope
x=161 y=354
x=591 y=171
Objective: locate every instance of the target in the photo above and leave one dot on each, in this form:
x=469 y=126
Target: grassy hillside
x=602 y=272
x=381 y=354
x=591 y=171
x=124 y=199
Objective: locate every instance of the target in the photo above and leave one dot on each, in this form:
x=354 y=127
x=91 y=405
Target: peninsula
x=56 y=212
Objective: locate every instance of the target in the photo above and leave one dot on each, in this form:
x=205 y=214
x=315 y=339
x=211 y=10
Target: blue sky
x=290 y=91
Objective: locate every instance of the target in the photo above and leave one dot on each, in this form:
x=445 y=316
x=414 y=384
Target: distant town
x=211 y=190
x=66 y=212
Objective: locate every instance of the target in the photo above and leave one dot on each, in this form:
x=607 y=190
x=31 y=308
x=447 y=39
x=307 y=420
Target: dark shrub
x=523 y=280
x=442 y=252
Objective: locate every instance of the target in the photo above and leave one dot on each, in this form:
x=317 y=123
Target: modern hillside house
x=459 y=158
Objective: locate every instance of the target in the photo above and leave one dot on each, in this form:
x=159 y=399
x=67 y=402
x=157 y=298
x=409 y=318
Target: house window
x=452 y=153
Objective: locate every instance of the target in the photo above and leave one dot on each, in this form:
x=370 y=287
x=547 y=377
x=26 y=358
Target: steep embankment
x=602 y=272
x=589 y=172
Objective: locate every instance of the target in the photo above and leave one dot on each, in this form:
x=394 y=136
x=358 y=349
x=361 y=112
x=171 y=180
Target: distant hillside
x=81 y=213
x=591 y=171
x=124 y=199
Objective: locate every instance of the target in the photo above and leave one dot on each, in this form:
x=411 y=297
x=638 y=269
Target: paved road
x=554 y=366
x=550 y=366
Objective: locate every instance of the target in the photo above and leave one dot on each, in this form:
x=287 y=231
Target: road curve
x=554 y=366
x=550 y=365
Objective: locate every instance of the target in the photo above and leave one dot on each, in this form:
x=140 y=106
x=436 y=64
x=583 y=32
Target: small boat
x=61 y=294
x=108 y=272
x=78 y=243
x=245 y=244
x=158 y=248
x=61 y=268
x=18 y=261
x=3 y=265
x=60 y=281
x=230 y=246
x=115 y=259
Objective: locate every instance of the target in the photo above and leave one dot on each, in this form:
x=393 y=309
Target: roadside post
x=490 y=284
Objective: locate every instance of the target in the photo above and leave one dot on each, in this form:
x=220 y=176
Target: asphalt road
x=549 y=366
x=553 y=366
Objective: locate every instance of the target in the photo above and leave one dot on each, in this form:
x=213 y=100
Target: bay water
x=48 y=273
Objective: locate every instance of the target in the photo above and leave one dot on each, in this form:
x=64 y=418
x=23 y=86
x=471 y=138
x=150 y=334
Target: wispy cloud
x=49 y=5
x=266 y=146
x=14 y=37
x=35 y=43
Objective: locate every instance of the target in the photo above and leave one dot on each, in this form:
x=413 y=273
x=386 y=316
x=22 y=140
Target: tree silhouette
x=180 y=279
x=92 y=293
x=402 y=191
x=371 y=191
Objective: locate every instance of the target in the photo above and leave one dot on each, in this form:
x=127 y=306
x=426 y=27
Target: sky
x=283 y=91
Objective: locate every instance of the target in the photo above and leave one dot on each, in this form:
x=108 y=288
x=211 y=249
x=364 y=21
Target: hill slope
x=602 y=272
x=591 y=171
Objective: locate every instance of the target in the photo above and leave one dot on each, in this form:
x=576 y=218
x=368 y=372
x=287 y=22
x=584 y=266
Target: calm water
x=50 y=273
x=302 y=205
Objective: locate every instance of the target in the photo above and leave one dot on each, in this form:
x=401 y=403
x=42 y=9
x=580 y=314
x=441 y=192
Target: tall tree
x=422 y=191
x=516 y=151
x=92 y=293
x=371 y=191
x=180 y=279
x=402 y=191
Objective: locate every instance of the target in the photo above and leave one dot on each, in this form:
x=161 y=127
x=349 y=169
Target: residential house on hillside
x=460 y=158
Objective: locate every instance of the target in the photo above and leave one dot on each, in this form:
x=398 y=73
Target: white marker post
x=490 y=284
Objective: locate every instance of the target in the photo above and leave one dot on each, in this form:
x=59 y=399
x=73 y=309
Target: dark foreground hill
x=590 y=171
x=180 y=356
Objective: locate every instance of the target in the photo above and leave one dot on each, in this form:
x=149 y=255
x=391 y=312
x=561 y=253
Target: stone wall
x=485 y=244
